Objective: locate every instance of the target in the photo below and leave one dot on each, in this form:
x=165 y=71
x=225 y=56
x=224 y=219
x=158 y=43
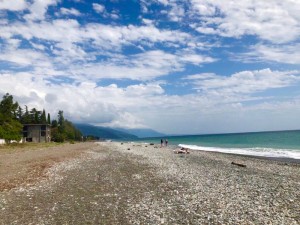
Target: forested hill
x=104 y=132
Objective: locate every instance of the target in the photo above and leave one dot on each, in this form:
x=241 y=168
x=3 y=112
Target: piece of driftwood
x=182 y=151
x=238 y=164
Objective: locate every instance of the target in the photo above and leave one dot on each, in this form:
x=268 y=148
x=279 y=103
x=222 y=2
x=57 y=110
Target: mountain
x=104 y=132
x=142 y=133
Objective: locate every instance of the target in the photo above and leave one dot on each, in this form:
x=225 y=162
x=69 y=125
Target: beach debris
x=182 y=151
x=151 y=143
x=238 y=164
x=128 y=148
x=121 y=143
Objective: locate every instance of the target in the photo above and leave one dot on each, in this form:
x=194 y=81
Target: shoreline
x=269 y=158
x=266 y=158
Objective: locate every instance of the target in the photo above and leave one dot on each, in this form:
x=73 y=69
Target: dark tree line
x=32 y=116
x=63 y=129
x=13 y=117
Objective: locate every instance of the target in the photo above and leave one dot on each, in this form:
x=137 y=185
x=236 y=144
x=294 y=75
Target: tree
x=61 y=121
x=11 y=131
x=54 y=123
x=43 y=117
x=7 y=106
x=10 y=127
x=61 y=118
x=26 y=119
x=48 y=119
x=19 y=114
x=64 y=130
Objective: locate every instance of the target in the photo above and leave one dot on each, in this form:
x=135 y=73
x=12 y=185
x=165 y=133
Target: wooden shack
x=36 y=133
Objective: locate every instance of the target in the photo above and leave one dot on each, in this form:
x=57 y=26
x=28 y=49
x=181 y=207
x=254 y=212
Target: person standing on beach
x=161 y=142
x=166 y=141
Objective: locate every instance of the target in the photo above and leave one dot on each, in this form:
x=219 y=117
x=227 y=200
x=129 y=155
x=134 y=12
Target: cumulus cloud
x=142 y=66
x=39 y=8
x=98 y=8
x=105 y=36
x=149 y=105
x=72 y=11
x=16 y=5
x=105 y=104
x=244 y=83
x=239 y=18
x=275 y=21
x=285 y=54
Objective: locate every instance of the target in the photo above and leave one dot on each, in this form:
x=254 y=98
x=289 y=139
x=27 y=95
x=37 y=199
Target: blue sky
x=179 y=67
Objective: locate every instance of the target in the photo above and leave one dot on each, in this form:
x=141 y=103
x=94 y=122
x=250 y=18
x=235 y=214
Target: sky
x=175 y=66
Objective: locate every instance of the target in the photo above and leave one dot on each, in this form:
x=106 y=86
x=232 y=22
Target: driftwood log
x=238 y=164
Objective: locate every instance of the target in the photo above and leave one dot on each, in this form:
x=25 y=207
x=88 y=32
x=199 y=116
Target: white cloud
x=20 y=57
x=176 y=13
x=197 y=59
x=98 y=8
x=67 y=52
x=16 y=5
x=106 y=36
x=39 y=8
x=23 y=57
x=201 y=76
x=276 y=21
x=114 y=16
x=143 y=66
x=125 y=120
x=38 y=46
x=148 y=104
x=144 y=90
x=106 y=105
x=147 y=21
x=164 y=2
x=287 y=54
x=72 y=11
x=246 y=82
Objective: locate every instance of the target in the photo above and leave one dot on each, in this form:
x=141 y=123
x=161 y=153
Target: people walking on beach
x=161 y=142
x=166 y=141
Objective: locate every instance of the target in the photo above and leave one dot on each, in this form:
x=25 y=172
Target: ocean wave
x=263 y=152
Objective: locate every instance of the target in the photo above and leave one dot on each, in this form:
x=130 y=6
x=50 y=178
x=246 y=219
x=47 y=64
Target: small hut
x=36 y=133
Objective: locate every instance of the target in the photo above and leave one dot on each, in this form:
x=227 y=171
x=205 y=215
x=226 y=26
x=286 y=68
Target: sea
x=276 y=144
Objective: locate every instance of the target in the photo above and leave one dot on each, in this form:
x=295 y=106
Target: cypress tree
x=43 y=117
x=48 y=119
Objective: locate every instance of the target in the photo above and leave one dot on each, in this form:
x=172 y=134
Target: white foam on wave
x=264 y=152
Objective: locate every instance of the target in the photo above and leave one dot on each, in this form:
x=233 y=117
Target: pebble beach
x=135 y=183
